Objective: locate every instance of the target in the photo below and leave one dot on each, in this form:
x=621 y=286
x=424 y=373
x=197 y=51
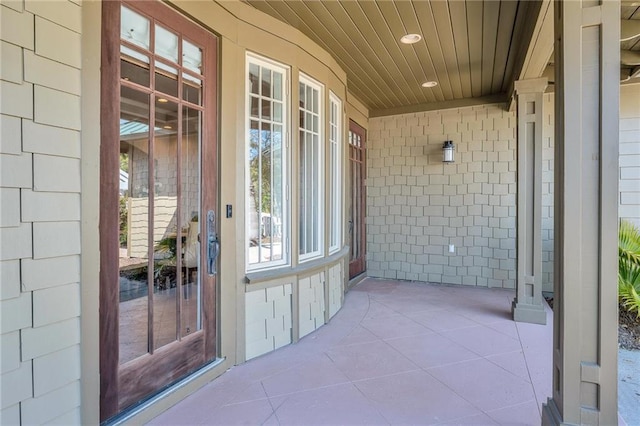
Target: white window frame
x=335 y=172
x=262 y=62
x=318 y=220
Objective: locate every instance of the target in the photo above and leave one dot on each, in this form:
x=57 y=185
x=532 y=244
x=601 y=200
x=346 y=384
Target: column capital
x=532 y=85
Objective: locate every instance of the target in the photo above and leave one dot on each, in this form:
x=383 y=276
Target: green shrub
x=629 y=267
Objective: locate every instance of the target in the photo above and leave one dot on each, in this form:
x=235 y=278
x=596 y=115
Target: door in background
x=357 y=168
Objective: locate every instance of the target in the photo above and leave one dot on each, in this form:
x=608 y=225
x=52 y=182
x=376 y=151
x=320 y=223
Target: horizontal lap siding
x=40 y=214
x=630 y=153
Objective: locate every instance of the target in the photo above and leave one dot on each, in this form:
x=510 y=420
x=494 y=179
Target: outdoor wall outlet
x=452 y=248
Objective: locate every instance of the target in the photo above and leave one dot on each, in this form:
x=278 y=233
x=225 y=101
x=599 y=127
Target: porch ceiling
x=472 y=49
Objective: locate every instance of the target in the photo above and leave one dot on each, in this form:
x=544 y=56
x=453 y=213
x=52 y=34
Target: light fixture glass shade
x=410 y=38
x=447 y=152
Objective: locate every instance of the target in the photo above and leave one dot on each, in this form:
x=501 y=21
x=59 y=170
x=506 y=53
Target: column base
x=550 y=414
x=534 y=314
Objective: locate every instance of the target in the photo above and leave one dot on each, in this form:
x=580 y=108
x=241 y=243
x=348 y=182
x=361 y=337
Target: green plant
x=123 y=215
x=629 y=267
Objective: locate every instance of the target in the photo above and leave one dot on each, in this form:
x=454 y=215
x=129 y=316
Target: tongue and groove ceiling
x=472 y=49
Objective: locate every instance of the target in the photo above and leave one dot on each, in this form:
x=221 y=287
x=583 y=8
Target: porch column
x=587 y=60
x=527 y=306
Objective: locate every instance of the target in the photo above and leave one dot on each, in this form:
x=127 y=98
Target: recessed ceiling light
x=410 y=38
x=430 y=84
x=162 y=100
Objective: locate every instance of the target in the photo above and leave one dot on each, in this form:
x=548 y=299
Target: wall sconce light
x=447 y=152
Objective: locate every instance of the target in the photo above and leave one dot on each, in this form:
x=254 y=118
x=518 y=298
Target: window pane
x=277 y=86
x=191 y=90
x=266 y=157
x=134 y=225
x=166 y=79
x=165 y=223
x=135 y=71
x=166 y=44
x=134 y=28
x=266 y=83
x=254 y=72
x=191 y=57
x=335 y=207
x=191 y=290
x=255 y=106
x=310 y=173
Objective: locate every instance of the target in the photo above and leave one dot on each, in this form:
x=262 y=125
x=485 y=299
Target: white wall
x=630 y=153
x=40 y=212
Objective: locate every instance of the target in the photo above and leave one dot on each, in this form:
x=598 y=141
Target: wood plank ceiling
x=472 y=49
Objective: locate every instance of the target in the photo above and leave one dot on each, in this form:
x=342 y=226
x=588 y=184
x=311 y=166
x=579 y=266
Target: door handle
x=213 y=245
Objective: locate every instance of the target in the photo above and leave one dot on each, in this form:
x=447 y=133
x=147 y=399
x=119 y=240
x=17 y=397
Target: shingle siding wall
x=40 y=212
x=417 y=206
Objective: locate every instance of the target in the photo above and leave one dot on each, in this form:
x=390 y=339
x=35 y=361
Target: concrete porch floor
x=397 y=353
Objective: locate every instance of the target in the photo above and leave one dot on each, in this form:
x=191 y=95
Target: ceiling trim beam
x=434 y=106
x=538 y=48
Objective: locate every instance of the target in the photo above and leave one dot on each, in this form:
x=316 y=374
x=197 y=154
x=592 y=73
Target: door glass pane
x=166 y=44
x=191 y=89
x=134 y=224
x=166 y=79
x=191 y=57
x=191 y=291
x=135 y=70
x=134 y=28
x=165 y=223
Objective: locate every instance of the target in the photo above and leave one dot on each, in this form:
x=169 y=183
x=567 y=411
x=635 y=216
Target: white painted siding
x=268 y=319
x=630 y=153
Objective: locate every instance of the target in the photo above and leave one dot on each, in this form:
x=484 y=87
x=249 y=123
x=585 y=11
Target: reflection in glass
x=135 y=70
x=166 y=44
x=165 y=223
x=191 y=57
x=166 y=79
x=266 y=158
x=310 y=185
x=134 y=28
x=335 y=208
x=189 y=206
x=134 y=224
x=191 y=89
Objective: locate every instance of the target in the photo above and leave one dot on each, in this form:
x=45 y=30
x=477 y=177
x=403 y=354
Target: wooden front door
x=158 y=195
x=357 y=168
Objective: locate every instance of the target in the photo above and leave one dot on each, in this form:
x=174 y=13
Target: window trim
x=320 y=163
x=336 y=174
x=263 y=62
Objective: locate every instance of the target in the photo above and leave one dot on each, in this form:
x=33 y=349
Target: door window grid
x=356 y=165
x=310 y=206
x=267 y=221
x=335 y=155
x=163 y=83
